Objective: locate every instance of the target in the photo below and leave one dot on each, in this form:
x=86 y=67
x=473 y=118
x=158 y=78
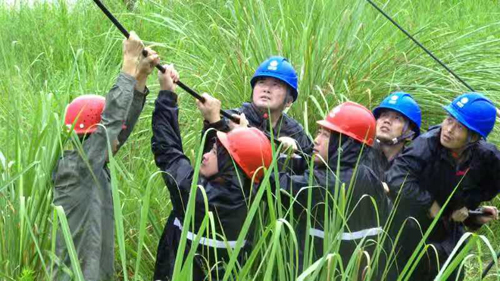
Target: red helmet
x=353 y=120
x=87 y=109
x=250 y=148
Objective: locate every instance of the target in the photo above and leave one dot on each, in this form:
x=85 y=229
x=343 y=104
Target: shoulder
x=433 y=133
x=367 y=174
x=425 y=144
x=244 y=108
x=291 y=125
x=68 y=166
x=487 y=153
x=249 y=112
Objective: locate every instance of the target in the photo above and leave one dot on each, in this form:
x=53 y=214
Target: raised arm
x=166 y=142
x=118 y=102
x=143 y=70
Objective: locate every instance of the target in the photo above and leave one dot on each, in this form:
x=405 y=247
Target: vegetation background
x=53 y=52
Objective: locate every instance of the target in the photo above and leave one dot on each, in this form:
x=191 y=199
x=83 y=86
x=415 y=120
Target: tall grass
x=341 y=49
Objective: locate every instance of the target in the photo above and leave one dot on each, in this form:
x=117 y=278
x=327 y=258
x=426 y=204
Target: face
x=453 y=134
x=209 y=164
x=390 y=125
x=321 y=143
x=270 y=93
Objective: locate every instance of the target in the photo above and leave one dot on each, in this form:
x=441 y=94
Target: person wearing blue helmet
x=398 y=121
x=274 y=88
x=452 y=161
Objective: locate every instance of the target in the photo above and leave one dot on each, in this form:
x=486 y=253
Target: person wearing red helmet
x=274 y=88
x=342 y=143
x=81 y=177
x=451 y=161
x=227 y=187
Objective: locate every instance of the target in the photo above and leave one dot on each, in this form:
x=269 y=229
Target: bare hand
x=147 y=64
x=288 y=143
x=132 y=50
x=243 y=121
x=210 y=109
x=167 y=80
x=434 y=210
x=460 y=215
x=490 y=213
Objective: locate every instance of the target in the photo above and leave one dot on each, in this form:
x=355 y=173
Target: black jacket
x=350 y=176
x=426 y=172
x=226 y=197
x=286 y=127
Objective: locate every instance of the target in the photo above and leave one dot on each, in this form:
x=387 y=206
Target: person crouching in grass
x=227 y=186
x=454 y=160
x=341 y=166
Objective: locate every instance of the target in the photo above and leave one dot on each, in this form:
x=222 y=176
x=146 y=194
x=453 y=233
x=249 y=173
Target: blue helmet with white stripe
x=278 y=67
x=404 y=104
x=474 y=111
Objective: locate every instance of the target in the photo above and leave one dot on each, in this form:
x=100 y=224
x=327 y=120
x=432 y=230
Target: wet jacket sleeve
x=118 y=102
x=166 y=145
x=297 y=185
x=403 y=177
x=368 y=184
x=293 y=183
x=211 y=130
x=133 y=115
x=305 y=143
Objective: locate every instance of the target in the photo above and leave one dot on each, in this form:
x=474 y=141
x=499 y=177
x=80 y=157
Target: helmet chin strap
x=407 y=134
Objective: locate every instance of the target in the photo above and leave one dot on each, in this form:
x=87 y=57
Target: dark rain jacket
x=357 y=179
x=426 y=172
x=82 y=184
x=227 y=197
x=286 y=127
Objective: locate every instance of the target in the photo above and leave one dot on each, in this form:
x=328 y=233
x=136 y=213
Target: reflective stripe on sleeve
x=207 y=241
x=348 y=235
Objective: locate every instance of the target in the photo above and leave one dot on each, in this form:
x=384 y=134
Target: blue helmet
x=404 y=104
x=279 y=68
x=474 y=111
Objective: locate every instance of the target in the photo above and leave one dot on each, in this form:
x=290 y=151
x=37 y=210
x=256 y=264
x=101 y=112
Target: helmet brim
x=295 y=93
x=222 y=137
x=378 y=110
x=329 y=126
x=460 y=119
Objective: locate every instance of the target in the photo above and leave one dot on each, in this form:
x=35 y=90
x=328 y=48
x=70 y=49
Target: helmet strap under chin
x=407 y=134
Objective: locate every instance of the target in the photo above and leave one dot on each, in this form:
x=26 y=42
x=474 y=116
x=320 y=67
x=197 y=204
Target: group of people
x=379 y=159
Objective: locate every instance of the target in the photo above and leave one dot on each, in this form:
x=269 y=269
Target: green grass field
x=342 y=50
